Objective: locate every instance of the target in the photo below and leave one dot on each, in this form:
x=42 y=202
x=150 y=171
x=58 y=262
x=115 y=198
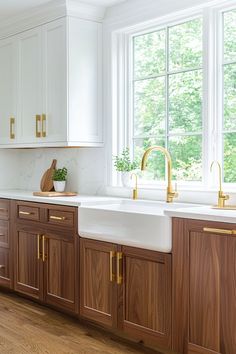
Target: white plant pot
x=125 y=179
x=59 y=186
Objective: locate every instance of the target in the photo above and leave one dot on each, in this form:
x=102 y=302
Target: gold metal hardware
x=221 y=196
x=2 y=209
x=219 y=231
x=38 y=247
x=44 y=256
x=135 y=189
x=12 y=123
x=119 y=277
x=25 y=213
x=52 y=217
x=2 y=266
x=2 y=235
x=37 y=131
x=112 y=275
x=44 y=131
x=170 y=194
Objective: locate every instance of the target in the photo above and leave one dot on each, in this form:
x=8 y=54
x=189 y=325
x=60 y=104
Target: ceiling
x=10 y=8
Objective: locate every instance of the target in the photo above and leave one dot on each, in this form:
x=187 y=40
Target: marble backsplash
x=22 y=169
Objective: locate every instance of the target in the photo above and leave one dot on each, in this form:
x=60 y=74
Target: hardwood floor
x=26 y=327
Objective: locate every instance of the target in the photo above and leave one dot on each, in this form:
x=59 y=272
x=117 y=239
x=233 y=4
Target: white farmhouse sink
x=138 y=223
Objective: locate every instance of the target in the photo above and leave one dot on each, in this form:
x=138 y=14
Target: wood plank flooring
x=26 y=327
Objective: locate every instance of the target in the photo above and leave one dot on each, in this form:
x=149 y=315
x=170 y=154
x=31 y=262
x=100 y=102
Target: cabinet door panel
x=30 y=87
x=98 y=298
x=4 y=267
x=147 y=296
x=8 y=87
x=60 y=273
x=55 y=73
x=28 y=270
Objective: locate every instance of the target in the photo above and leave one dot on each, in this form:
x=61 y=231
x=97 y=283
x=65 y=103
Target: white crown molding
x=48 y=12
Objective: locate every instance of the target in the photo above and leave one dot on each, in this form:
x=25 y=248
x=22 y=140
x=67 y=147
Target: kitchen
x=117 y=191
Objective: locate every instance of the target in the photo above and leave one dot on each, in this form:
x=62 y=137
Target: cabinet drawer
x=61 y=217
x=4 y=209
x=4 y=233
x=4 y=263
x=28 y=212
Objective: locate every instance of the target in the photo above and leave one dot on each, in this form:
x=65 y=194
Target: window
x=177 y=89
x=167 y=98
x=229 y=111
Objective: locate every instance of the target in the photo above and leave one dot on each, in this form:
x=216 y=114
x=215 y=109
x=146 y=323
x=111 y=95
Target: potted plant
x=124 y=165
x=59 y=179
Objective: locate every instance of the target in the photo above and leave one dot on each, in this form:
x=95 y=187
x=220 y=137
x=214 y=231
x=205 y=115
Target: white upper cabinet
x=30 y=88
x=8 y=91
x=51 y=86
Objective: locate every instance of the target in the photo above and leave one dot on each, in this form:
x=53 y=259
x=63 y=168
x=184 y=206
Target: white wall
x=24 y=168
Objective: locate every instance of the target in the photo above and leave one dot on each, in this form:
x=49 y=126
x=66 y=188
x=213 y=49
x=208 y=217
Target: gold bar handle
x=112 y=275
x=38 y=247
x=2 y=266
x=219 y=231
x=53 y=217
x=44 y=257
x=119 y=278
x=3 y=209
x=37 y=129
x=2 y=235
x=12 y=123
x=44 y=130
x=25 y=213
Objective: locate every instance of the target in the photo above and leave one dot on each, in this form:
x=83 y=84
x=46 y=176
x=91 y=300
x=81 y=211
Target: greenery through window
x=167 y=97
x=229 y=73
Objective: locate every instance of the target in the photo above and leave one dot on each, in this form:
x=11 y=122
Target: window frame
x=212 y=87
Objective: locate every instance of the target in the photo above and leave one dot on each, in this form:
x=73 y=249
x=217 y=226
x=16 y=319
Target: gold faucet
x=135 y=190
x=221 y=196
x=170 y=194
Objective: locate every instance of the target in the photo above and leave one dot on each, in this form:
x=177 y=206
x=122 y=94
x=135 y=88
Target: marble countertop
x=204 y=213
x=69 y=201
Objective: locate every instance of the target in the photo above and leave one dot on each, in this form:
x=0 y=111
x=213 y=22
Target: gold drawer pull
x=2 y=266
x=37 y=129
x=219 y=231
x=2 y=235
x=12 y=123
x=44 y=256
x=3 y=209
x=119 y=257
x=53 y=217
x=44 y=131
x=112 y=275
x=25 y=213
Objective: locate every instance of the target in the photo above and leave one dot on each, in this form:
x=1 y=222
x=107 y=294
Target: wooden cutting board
x=46 y=184
x=54 y=194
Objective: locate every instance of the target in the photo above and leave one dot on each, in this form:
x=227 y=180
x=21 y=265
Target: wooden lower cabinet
x=59 y=280
x=27 y=262
x=131 y=293
x=98 y=294
x=146 y=296
x=6 y=271
x=208 y=282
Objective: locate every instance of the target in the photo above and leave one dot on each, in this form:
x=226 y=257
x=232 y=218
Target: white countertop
x=204 y=213
x=70 y=201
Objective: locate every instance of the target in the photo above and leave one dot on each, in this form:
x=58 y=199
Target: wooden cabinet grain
x=128 y=289
x=208 y=283
x=6 y=269
x=45 y=255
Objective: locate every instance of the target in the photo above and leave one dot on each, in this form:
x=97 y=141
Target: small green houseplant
x=59 y=179
x=125 y=165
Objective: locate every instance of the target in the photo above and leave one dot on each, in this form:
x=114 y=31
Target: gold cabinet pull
x=2 y=266
x=25 y=213
x=119 y=277
x=37 y=129
x=44 y=130
x=12 y=124
x=112 y=274
x=2 y=235
x=38 y=247
x=44 y=257
x=219 y=231
x=53 y=217
x=3 y=209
